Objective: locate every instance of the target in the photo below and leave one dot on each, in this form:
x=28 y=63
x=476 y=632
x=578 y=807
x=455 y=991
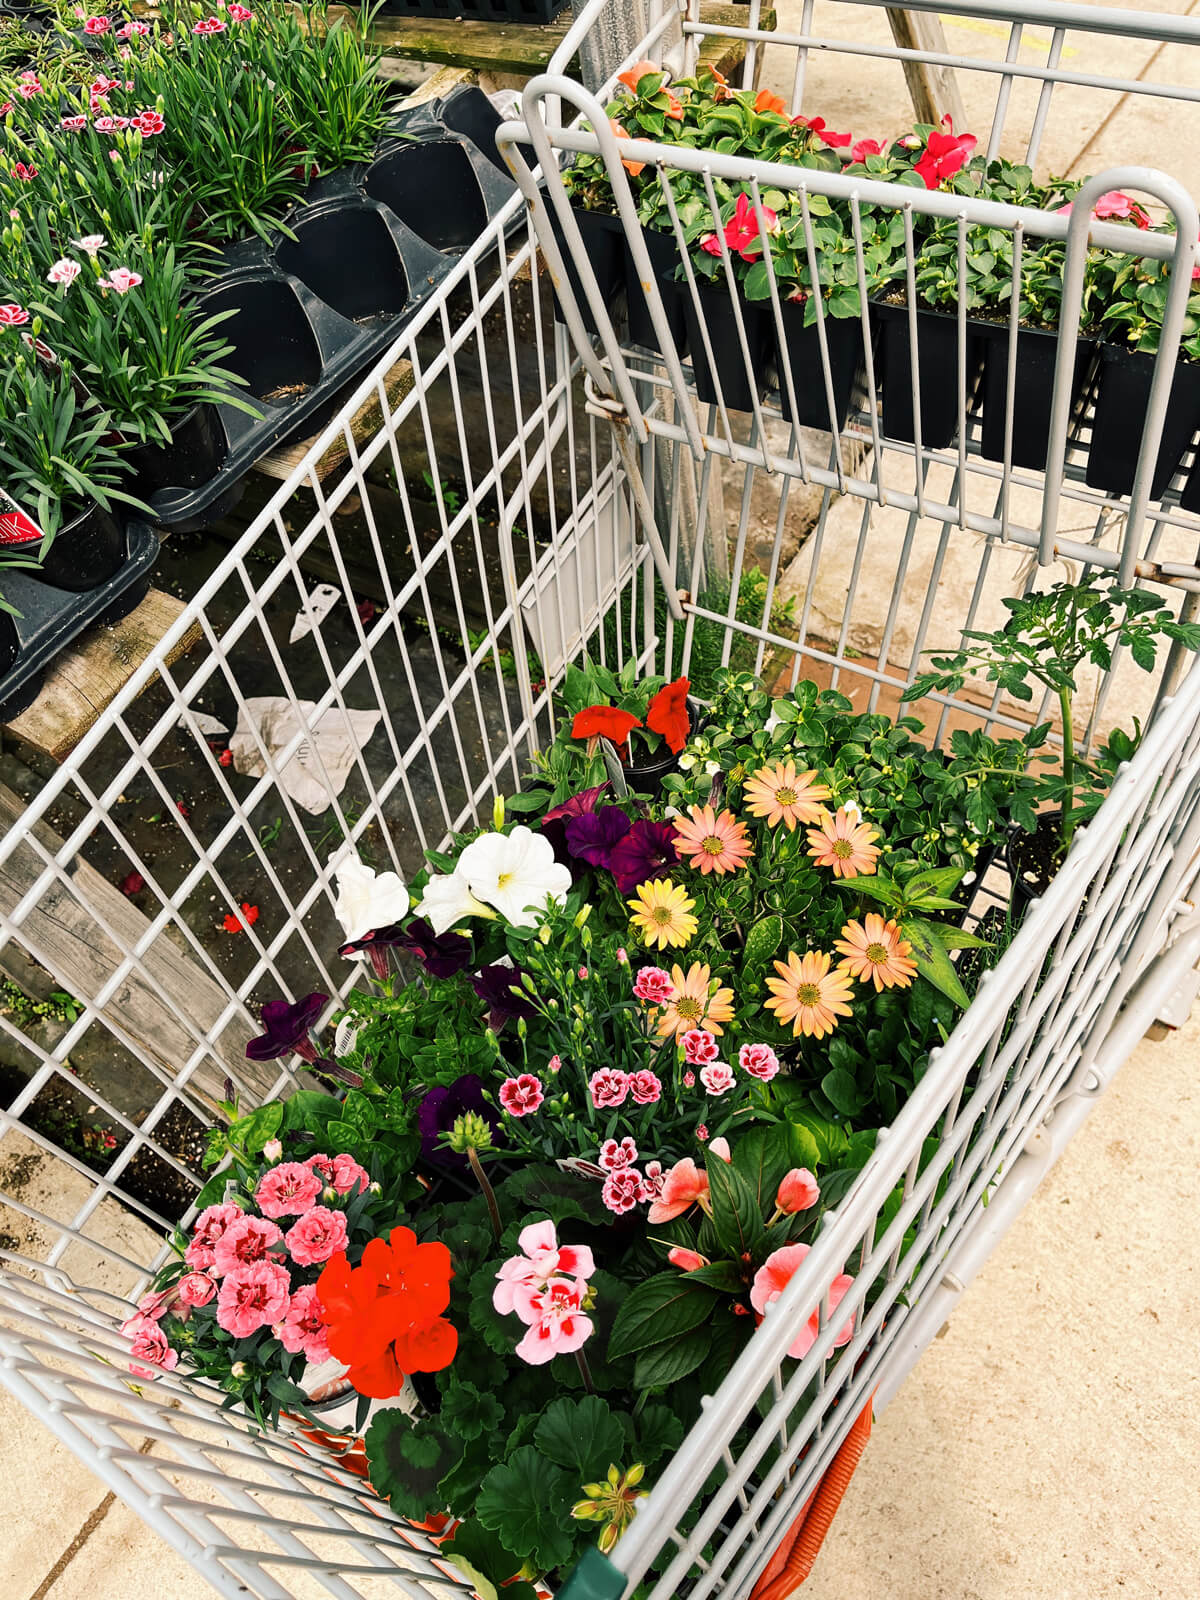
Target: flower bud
x=582 y=915
x=470 y=1132
x=543 y=934
x=799 y=1191
x=272 y=1150
x=498 y=812
x=374 y=1188
x=239 y=1369
x=329 y=1194
x=686 y=1260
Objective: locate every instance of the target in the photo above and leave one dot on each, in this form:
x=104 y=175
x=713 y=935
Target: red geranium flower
x=384 y=1317
x=604 y=722
x=667 y=714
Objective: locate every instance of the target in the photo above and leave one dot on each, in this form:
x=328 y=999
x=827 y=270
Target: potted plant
x=1048 y=636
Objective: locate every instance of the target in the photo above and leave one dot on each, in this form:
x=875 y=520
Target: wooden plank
x=89 y=674
x=63 y=935
x=366 y=422
x=934 y=90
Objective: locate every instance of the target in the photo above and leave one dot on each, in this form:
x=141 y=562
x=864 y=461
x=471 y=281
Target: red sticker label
x=16 y=526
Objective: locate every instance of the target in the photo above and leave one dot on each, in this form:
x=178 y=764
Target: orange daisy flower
x=844 y=844
x=808 y=995
x=715 y=844
x=875 y=953
x=692 y=1005
x=780 y=794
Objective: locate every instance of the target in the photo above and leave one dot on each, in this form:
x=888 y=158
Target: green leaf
x=213 y=1191
x=252 y=1132
x=309 y=1109
x=666 y=1364
x=762 y=1155
x=762 y=942
x=501 y=1334
x=663 y=1308
x=459 y=1488
x=527 y=1501
x=933 y=959
x=406 y=1463
x=467 y=1413
x=721 y=1275
x=582 y=1435
x=480 y=1555
x=736 y=1213
x=659 y=1431
x=881 y=889
x=842 y=1091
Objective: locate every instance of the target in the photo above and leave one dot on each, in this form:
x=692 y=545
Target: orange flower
x=720 y=83
x=631 y=167
x=674 y=109
x=780 y=794
x=384 y=1316
x=715 y=844
x=808 y=995
x=844 y=844
x=636 y=73
x=692 y=1005
x=766 y=101
x=875 y=953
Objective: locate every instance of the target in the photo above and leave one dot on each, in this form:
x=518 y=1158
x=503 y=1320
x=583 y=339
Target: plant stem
x=585 y=1372
x=1068 y=768
x=489 y=1194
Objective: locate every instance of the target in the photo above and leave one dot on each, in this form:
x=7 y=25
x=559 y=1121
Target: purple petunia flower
x=441 y=956
x=286 y=1026
x=441 y=1109
x=495 y=986
x=593 y=835
x=554 y=823
x=647 y=851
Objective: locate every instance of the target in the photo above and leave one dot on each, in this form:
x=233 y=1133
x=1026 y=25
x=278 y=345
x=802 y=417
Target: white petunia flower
x=515 y=872
x=367 y=900
x=448 y=901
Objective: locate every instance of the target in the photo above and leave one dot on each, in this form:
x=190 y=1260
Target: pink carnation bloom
x=622 y=1189
x=195 y=1289
x=148 y=123
x=288 y=1190
x=346 y=1173
x=644 y=1087
x=72 y=124
x=759 y=1060
x=120 y=280
x=554 y=1064
x=322 y=1165
x=541 y=1258
x=718 y=1078
x=699 y=1047
x=28 y=90
x=210 y=25
x=64 y=272
x=683 y=1186
x=613 y=1155
x=244 y=1243
x=150 y=1345
x=558 y=1325
x=653 y=985
x=652 y=1180
x=319 y=1234
x=608 y=1087
x=97 y=25
x=773 y=1277
x=303 y=1329
x=689 y=1080
x=208 y=1228
x=702 y=1130
x=239 y=13
x=521 y=1096
x=252 y=1297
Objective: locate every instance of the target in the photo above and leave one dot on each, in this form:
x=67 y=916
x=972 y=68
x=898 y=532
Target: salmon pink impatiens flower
x=765 y=101
x=634 y=75
x=631 y=167
x=685 y=1185
x=741 y=232
x=773 y=1277
x=687 y=1260
x=1114 y=204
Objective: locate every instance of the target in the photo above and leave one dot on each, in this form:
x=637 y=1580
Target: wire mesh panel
x=382 y=650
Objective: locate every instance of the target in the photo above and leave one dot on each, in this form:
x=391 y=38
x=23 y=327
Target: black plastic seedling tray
x=314 y=310
x=49 y=618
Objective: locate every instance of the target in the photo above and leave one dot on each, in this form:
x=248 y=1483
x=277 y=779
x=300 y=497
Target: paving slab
x=49 y=1494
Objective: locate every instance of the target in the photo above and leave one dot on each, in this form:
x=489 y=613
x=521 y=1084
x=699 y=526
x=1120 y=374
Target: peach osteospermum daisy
x=695 y=1003
x=662 y=914
x=876 y=953
x=808 y=995
x=780 y=794
x=844 y=843
x=715 y=843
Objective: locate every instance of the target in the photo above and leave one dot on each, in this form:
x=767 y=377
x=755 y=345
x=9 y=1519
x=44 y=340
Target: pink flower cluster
x=546 y=1287
x=627 y=1185
x=610 y=1087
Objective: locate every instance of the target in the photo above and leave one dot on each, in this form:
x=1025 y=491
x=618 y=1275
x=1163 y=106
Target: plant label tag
x=17 y=527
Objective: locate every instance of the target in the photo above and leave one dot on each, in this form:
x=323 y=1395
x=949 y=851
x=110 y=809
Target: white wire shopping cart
x=538 y=490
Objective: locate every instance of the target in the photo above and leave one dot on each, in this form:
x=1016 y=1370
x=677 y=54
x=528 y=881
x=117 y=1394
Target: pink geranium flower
x=645 y=1088
x=195 y=1289
x=120 y=280
x=541 y=1258
x=209 y=1227
x=244 y=1243
x=558 y=1325
x=699 y=1047
x=945 y=154
x=609 y=1088
x=741 y=232
x=622 y=1189
x=252 y=1297
x=773 y=1277
x=684 y=1186
x=150 y=1345
x=717 y=1078
x=653 y=985
x=347 y=1174
x=319 y=1234
x=288 y=1190
x=521 y=1096
x=759 y=1060
x=613 y=1155
x=303 y=1329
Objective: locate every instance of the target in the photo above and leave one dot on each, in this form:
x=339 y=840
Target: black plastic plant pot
x=844 y=341
x=348 y=257
x=645 y=777
x=1033 y=860
x=602 y=237
x=1037 y=358
x=198 y=447
x=10 y=642
x=1122 y=396
x=938 y=378
x=431 y=187
x=663 y=251
x=84 y=552
x=740 y=387
x=477 y=10
x=274 y=347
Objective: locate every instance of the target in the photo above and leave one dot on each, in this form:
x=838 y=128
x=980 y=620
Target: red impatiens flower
x=667 y=714
x=945 y=154
x=741 y=231
x=233 y=924
x=604 y=722
x=816 y=126
x=384 y=1317
x=865 y=148
x=766 y=101
x=225 y=759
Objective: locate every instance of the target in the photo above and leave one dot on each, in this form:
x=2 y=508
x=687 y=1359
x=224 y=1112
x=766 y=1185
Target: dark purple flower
x=440 y=1110
x=554 y=823
x=441 y=956
x=376 y=945
x=495 y=986
x=647 y=851
x=286 y=1026
x=593 y=835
